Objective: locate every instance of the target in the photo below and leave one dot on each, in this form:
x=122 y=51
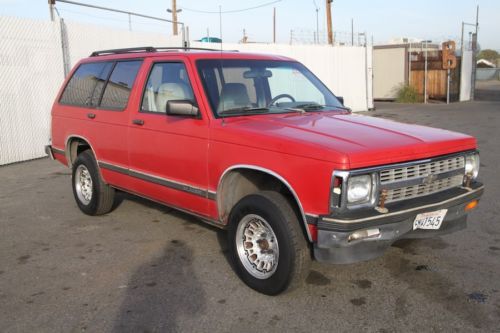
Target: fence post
x=64 y=47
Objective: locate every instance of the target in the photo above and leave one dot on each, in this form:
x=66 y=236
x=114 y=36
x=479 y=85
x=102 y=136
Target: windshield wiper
x=315 y=106
x=243 y=110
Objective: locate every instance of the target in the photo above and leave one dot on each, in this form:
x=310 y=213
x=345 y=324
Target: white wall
x=31 y=73
x=389 y=68
x=466 y=76
x=84 y=39
x=343 y=69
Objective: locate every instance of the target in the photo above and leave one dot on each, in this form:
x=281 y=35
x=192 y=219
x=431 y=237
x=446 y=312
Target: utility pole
x=274 y=25
x=329 y=21
x=352 y=32
x=316 y=39
x=52 y=3
x=425 y=68
x=174 y=12
x=474 y=50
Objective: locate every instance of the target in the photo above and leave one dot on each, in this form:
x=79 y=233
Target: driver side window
x=167 y=81
x=290 y=81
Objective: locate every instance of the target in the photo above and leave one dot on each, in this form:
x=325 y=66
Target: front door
x=168 y=154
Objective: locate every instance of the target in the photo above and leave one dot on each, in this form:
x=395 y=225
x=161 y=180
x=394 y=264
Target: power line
x=230 y=11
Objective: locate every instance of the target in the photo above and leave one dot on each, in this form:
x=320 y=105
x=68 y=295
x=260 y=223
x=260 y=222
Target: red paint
x=313 y=231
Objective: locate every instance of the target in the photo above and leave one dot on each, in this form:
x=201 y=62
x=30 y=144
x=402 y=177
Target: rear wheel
x=267 y=244
x=93 y=196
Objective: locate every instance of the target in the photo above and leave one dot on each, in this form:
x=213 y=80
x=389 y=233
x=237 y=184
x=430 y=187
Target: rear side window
x=120 y=84
x=85 y=86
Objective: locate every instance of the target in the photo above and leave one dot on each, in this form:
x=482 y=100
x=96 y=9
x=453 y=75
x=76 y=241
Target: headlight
x=359 y=189
x=472 y=165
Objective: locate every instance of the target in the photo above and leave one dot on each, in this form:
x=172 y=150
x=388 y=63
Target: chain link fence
x=31 y=66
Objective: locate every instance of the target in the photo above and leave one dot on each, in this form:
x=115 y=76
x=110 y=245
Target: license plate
x=430 y=220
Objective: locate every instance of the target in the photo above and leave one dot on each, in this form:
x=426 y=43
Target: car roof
x=193 y=53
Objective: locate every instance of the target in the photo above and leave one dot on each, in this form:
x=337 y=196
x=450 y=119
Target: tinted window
x=120 y=84
x=167 y=81
x=86 y=84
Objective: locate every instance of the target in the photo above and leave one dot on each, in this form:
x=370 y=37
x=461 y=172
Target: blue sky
x=384 y=19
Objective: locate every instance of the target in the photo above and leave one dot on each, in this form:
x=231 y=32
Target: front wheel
x=267 y=244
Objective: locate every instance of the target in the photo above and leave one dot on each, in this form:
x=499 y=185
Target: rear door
x=168 y=154
x=95 y=107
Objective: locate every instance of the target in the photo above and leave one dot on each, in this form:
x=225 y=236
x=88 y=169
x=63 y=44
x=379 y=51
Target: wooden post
x=329 y=21
x=174 y=17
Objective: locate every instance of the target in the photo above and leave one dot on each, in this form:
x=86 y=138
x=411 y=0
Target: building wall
x=389 y=71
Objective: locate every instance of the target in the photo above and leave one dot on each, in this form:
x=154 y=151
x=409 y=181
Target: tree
x=490 y=55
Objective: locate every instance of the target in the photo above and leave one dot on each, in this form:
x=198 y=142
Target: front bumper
x=333 y=244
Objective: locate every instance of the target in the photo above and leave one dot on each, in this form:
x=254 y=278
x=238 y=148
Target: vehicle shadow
x=160 y=292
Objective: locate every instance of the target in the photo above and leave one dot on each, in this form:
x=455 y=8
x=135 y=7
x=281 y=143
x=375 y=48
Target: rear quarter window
x=85 y=86
x=104 y=85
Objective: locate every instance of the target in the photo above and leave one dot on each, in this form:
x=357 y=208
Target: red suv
x=257 y=145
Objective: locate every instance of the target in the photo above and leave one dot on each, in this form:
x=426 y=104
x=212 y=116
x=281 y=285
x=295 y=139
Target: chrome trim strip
x=212 y=195
x=68 y=153
x=270 y=172
x=381 y=216
x=158 y=180
x=407 y=164
x=113 y=167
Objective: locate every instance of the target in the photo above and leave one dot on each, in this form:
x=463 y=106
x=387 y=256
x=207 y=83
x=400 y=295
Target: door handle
x=91 y=115
x=139 y=122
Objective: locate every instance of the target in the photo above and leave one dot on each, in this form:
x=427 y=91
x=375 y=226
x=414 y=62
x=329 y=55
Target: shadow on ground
x=160 y=291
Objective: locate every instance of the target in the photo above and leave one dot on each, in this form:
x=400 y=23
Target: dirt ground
x=147 y=268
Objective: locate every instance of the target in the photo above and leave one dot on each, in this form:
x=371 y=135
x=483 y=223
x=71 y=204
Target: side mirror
x=182 y=107
x=341 y=99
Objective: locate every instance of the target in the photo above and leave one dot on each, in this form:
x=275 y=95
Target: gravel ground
x=146 y=268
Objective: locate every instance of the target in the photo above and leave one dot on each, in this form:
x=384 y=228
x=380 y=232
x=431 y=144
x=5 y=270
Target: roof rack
x=151 y=49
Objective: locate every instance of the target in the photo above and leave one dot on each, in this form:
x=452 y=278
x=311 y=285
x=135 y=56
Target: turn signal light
x=471 y=205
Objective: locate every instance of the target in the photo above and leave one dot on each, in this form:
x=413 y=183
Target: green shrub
x=408 y=94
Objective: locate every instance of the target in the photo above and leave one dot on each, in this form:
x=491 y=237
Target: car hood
x=351 y=140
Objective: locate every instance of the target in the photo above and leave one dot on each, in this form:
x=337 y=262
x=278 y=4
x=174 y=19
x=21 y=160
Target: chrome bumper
x=336 y=245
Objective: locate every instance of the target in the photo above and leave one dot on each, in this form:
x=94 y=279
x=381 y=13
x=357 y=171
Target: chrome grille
x=409 y=177
x=421 y=170
x=415 y=191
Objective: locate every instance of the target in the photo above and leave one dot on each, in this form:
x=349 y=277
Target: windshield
x=243 y=87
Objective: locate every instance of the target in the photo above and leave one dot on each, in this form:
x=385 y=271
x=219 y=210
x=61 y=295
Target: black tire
x=102 y=195
x=294 y=254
